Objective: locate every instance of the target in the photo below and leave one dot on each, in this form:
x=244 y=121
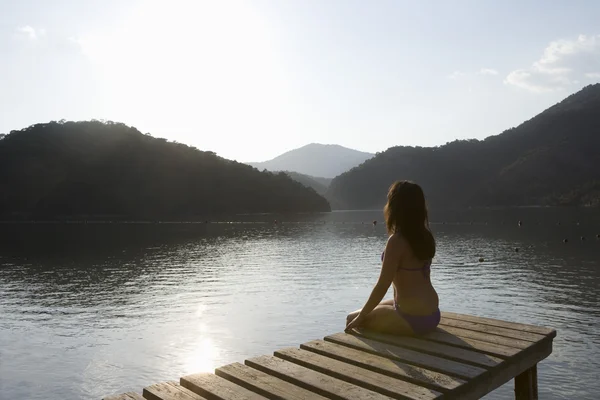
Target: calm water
x=91 y=310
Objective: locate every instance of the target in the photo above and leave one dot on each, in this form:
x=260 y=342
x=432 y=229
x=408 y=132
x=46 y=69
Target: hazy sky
x=252 y=79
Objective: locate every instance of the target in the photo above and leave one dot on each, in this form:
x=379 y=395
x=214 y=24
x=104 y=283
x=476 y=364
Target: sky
x=250 y=80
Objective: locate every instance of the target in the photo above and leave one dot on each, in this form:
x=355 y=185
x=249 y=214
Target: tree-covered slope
x=552 y=159
x=110 y=169
x=320 y=185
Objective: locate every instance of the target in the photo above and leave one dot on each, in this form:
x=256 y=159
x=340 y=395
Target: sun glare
x=182 y=63
x=203 y=358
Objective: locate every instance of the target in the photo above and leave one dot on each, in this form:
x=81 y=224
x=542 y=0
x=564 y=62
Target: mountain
x=83 y=169
x=320 y=185
x=326 y=160
x=551 y=159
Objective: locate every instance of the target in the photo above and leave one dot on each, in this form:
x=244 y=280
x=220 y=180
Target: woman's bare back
x=413 y=291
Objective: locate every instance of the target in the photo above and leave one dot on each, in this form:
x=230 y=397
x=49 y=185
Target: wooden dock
x=465 y=358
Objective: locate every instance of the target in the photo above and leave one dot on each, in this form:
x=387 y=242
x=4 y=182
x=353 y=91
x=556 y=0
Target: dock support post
x=526 y=385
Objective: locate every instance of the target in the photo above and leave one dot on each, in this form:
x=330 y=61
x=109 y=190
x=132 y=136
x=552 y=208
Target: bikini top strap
x=427 y=265
x=424 y=267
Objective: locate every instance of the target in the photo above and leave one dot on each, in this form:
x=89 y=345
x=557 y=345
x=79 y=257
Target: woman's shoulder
x=397 y=240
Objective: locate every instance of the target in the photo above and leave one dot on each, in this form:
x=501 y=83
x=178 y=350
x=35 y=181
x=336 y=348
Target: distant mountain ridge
x=551 y=159
x=320 y=185
x=317 y=160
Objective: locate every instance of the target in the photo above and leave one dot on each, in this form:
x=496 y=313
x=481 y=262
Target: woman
x=406 y=264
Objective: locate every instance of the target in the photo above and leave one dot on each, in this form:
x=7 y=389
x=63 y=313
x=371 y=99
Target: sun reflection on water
x=202 y=357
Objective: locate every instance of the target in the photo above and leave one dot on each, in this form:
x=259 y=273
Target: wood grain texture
x=438 y=364
x=214 y=387
x=453 y=335
x=526 y=385
x=492 y=330
x=309 y=379
x=437 y=349
x=411 y=373
x=500 y=323
x=384 y=384
x=264 y=384
x=169 y=391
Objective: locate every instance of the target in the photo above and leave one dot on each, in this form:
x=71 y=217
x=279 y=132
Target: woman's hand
x=355 y=323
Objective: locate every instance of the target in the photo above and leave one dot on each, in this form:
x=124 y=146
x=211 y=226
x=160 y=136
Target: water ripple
x=96 y=310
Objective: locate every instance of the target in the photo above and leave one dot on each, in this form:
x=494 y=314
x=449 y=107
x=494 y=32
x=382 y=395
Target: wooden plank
x=216 y=388
x=436 y=349
x=410 y=373
x=466 y=357
x=125 y=396
x=483 y=337
x=312 y=380
x=521 y=363
x=264 y=384
x=526 y=385
x=467 y=343
x=433 y=363
x=386 y=385
x=169 y=391
x=502 y=324
x=493 y=330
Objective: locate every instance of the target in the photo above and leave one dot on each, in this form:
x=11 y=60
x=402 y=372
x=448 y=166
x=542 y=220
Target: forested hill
x=552 y=159
x=83 y=169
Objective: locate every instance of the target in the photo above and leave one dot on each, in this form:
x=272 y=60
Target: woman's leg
x=385 y=319
x=354 y=314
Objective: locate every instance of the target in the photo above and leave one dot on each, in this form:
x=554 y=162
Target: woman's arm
x=391 y=260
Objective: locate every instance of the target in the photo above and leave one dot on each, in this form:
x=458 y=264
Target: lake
x=89 y=310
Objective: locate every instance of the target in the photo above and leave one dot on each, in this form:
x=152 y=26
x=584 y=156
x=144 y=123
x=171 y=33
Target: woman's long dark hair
x=406 y=213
